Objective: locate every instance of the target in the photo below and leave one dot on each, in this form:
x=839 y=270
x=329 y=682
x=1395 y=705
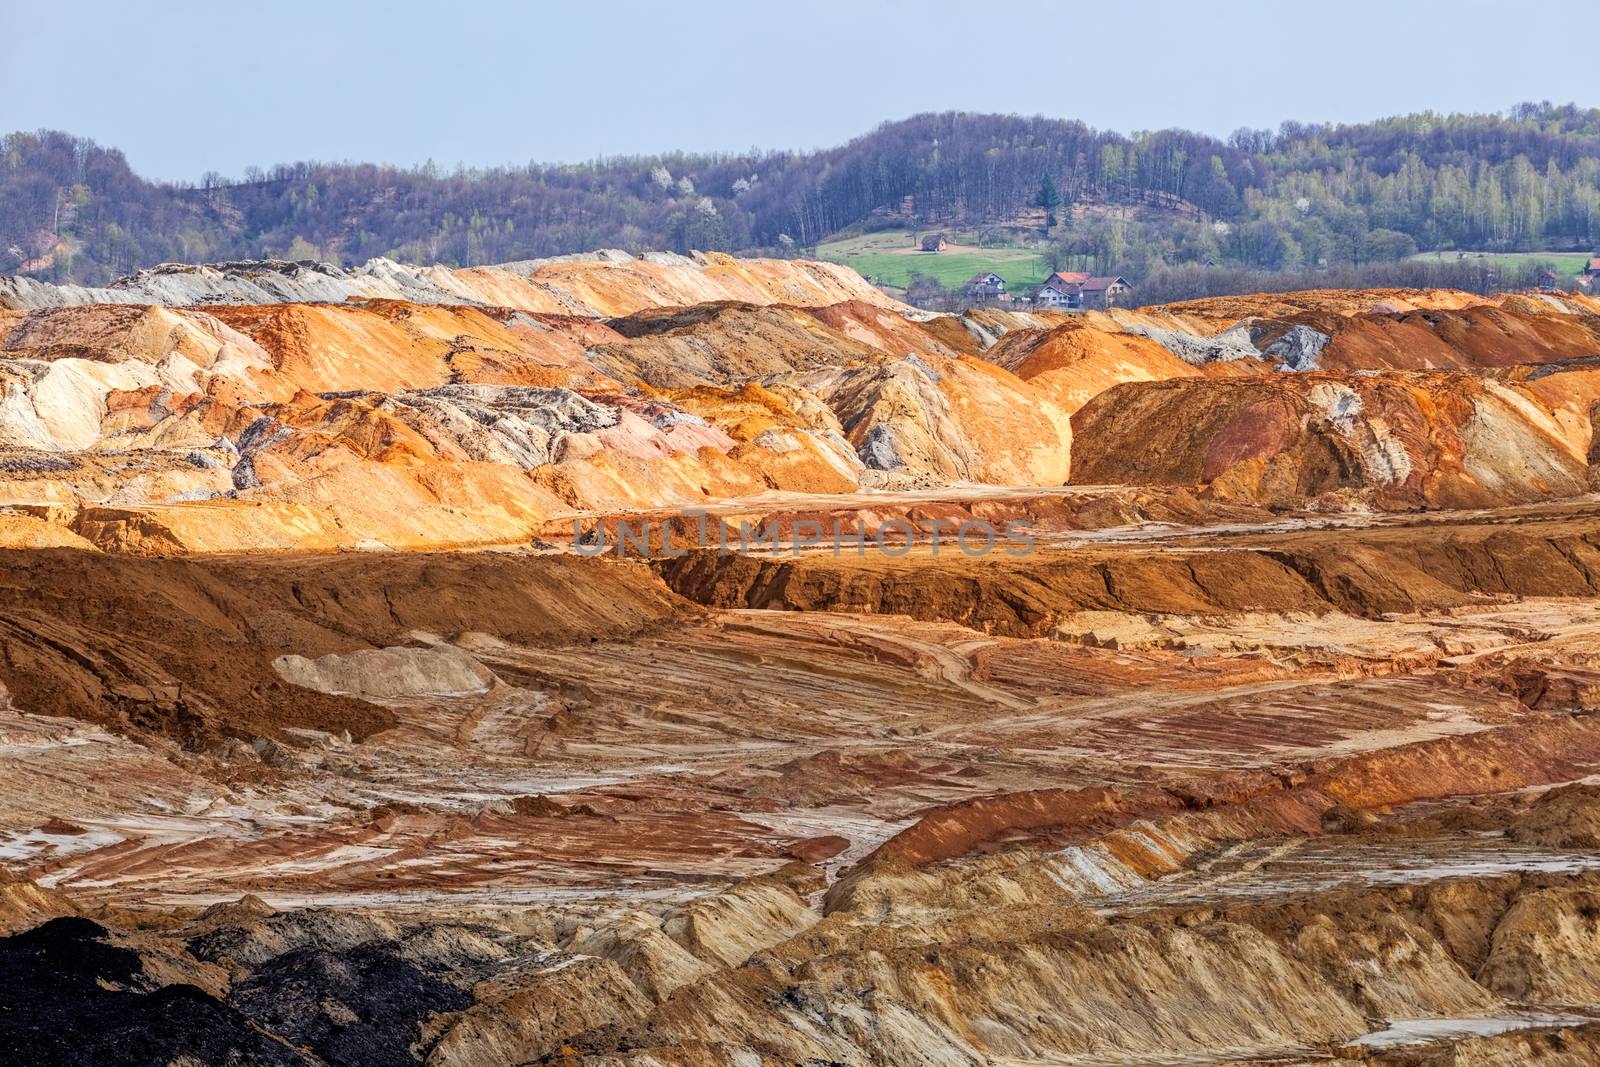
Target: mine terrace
x=317 y=704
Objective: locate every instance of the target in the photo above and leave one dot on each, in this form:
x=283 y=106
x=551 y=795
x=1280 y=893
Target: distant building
x=985 y=285
x=1076 y=290
x=1591 y=269
x=1105 y=292
x=934 y=242
x=1061 y=290
x=1054 y=294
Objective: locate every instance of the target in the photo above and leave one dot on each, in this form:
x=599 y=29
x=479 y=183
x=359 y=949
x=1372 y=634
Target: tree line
x=1300 y=198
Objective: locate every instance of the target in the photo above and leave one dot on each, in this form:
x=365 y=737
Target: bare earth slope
x=1260 y=725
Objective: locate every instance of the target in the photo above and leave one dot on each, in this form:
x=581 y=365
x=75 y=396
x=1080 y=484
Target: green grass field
x=1566 y=264
x=878 y=254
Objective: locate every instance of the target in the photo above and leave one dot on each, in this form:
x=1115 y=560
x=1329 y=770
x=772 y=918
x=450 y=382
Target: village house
x=1105 y=292
x=934 y=242
x=1060 y=290
x=985 y=285
x=1076 y=290
x=1055 y=295
x=1591 y=269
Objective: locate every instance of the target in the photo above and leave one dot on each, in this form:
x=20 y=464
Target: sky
x=187 y=87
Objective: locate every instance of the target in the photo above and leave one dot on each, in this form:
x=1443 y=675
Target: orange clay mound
x=1402 y=439
x=635 y=384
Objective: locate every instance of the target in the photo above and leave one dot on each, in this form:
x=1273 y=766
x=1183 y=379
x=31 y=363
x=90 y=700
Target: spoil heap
x=1250 y=746
x=311 y=407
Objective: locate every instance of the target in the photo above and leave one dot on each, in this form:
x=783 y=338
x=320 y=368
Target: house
x=934 y=242
x=985 y=285
x=1074 y=289
x=1054 y=294
x=1105 y=292
x=1591 y=269
x=1063 y=289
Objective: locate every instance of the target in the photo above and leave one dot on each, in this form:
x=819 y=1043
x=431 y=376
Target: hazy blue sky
x=184 y=87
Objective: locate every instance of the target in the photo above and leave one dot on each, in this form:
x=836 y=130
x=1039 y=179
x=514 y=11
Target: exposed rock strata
x=1283 y=757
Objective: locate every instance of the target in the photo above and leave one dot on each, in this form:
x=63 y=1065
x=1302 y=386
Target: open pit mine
x=389 y=674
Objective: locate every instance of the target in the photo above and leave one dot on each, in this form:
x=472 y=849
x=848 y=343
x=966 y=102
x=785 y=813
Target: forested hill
x=1303 y=196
